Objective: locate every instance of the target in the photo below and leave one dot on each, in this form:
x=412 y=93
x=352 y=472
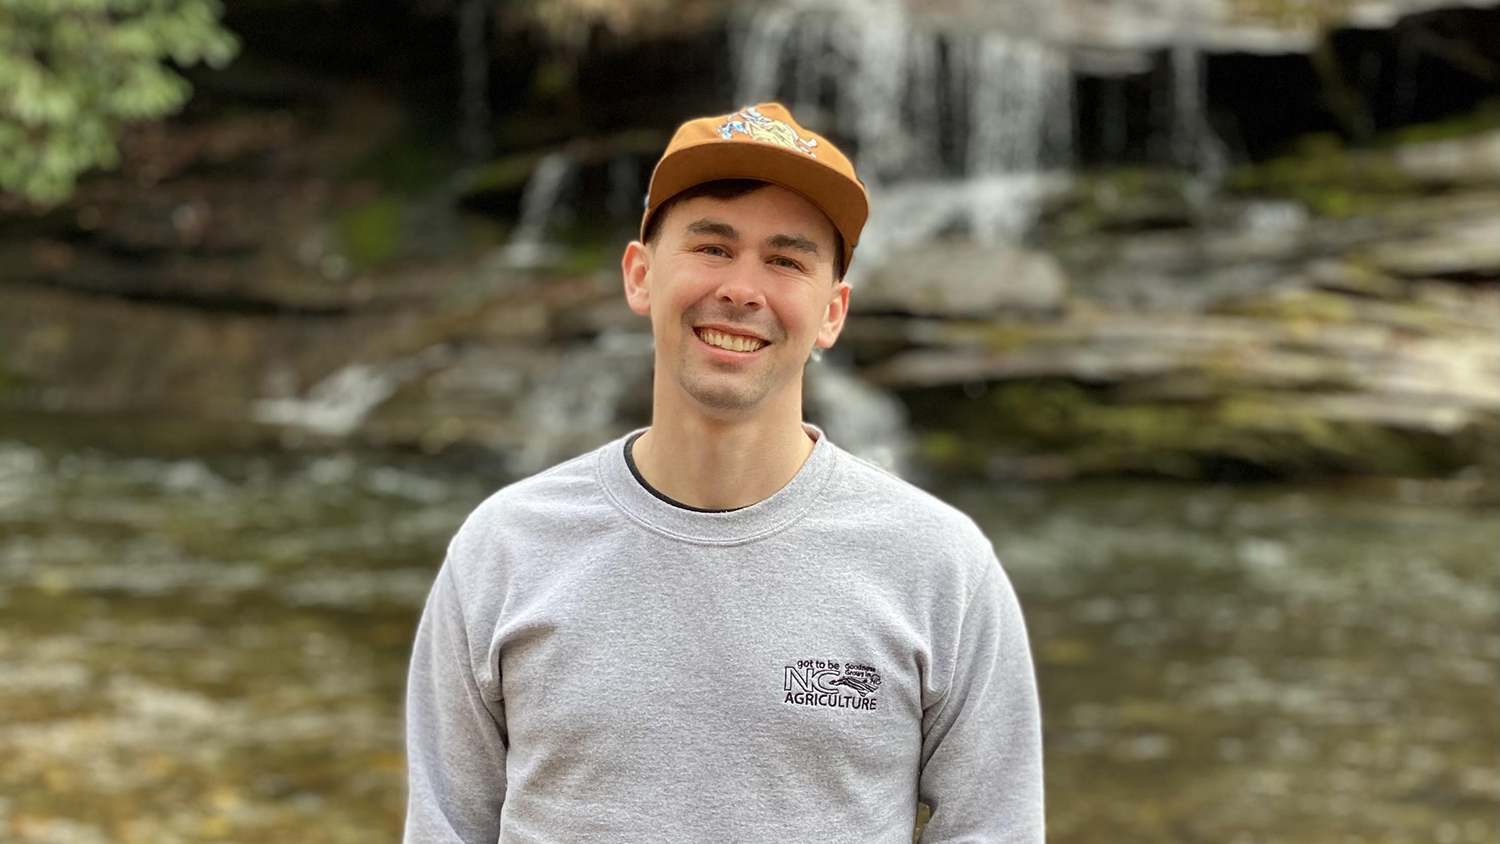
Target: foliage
x=74 y=72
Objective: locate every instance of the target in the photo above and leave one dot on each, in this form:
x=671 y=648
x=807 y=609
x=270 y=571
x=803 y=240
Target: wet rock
x=1348 y=277
x=963 y=279
x=1465 y=249
x=1295 y=380
x=1457 y=161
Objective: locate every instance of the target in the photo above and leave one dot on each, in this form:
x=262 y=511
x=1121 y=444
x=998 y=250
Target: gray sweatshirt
x=595 y=664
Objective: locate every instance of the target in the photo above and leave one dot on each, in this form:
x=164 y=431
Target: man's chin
x=724 y=401
x=729 y=395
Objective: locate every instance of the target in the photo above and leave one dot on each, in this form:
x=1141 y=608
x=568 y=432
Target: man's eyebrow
x=719 y=228
x=713 y=227
x=789 y=241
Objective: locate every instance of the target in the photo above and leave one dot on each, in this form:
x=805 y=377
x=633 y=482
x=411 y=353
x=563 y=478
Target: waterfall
x=540 y=200
x=577 y=405
x=338 y=404
x=1194 y=146
x=863 y=420
x=1007 y=93
x=949 y=130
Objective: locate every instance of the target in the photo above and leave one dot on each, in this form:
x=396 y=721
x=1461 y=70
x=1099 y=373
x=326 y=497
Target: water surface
x=215 y=651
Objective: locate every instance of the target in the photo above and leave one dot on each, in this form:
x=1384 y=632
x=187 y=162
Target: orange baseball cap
x=763 y=142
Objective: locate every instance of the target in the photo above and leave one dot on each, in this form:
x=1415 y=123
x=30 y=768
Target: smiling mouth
x=729 y=342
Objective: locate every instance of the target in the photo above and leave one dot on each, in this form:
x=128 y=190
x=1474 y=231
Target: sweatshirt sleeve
x=981 y=771
x=455 y=731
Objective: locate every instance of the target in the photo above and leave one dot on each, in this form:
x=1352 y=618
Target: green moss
x=1136 y=182
x=591 y=245
x=1337 y=181
x=587 y=258
x=1485 y=118
x=1290 y=14
x=1005 y=337
x=8 y=382
x=372 y=233
x=1125 y=198
x=942 y=447
x=508 y=173
x=409 y=163
x=1084 y=427
x=1298 y=306
x=1330 y=180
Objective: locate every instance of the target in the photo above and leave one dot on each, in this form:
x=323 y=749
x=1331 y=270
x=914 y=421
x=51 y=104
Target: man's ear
x=833 y=316
x=636 y=266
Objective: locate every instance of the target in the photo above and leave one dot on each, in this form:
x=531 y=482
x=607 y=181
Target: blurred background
x=1192 y=304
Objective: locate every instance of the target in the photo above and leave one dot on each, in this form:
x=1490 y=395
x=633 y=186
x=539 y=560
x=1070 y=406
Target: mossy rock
x=1126 y=199
x=1319 y=306
x=1339 y=181
x=1274 y=434
x=1327 y=178
x=1485 y=118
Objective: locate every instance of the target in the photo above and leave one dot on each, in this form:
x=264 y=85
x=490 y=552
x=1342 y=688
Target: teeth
x=730 y=341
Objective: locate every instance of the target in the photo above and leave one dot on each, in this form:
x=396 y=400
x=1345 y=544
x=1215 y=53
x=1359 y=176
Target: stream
x=214 y=650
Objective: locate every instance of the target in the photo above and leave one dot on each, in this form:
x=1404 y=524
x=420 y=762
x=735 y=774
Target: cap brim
x=842 y=199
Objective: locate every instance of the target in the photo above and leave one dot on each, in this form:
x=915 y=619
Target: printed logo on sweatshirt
x=836 y=685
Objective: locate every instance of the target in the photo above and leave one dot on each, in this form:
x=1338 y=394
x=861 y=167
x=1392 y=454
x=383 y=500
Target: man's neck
x=721 y=465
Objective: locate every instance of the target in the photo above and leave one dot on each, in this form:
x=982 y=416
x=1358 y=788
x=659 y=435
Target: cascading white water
x=861 y=418
x=1186 y=104
x=539 y=202
x=578 y=402
x=338 y=404
x=948 y=129
x=1194 y=145
x=924 y=96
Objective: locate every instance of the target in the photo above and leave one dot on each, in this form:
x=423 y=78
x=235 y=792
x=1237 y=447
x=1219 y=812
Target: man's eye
x=787 y=262
x=713 y=250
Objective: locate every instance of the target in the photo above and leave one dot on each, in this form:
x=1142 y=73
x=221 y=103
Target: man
x=723 y=627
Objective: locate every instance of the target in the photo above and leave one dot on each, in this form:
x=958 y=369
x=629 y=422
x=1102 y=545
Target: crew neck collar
x=732 y=527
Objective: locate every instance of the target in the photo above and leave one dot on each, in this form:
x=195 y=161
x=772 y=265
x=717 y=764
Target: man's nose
x=740 y=286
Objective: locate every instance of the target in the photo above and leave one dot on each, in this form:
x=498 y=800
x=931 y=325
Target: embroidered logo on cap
x=821 y=682
x=756 y=126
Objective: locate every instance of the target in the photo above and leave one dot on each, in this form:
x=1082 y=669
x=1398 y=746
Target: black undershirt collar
x=630 y=461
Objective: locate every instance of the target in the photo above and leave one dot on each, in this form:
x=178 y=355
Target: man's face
x=754 y=273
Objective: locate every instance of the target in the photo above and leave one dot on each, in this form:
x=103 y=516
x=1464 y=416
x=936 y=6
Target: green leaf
x=73 y=73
